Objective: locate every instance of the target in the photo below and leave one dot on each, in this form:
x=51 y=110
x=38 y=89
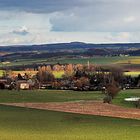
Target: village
x=69 y=70
x=67 y=77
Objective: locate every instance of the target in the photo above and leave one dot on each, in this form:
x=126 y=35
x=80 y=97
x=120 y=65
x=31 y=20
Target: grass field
x=62 y=96
x=32 y=124
x=129 y=60
x=101 y=60
x=47 y=96
x=119 y=99
x=133 y=60
x=1 y=73
x=58 y=74
x=132 y=73
x=93 y=60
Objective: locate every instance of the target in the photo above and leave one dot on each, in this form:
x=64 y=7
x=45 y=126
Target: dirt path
x=84 y=107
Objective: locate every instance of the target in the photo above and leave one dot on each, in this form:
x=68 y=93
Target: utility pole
x=88 y=64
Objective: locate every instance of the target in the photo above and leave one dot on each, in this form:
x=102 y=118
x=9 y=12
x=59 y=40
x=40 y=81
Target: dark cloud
x=82 y=15
x=100 y=16
x=39 y=6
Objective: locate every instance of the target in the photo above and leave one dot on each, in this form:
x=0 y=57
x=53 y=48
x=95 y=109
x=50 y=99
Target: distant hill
x=73 y=49
x=66 y=46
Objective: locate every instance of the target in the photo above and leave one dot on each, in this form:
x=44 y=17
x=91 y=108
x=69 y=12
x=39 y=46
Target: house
x=22 y=84
x=26 y=84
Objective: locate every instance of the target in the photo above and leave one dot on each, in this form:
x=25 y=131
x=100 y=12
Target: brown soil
x=84 y=107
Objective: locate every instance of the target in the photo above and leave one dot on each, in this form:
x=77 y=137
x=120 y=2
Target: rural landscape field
x=31 y=123
x=69 y=70
x=71 y=96
x=133 y=61
x=26 y=123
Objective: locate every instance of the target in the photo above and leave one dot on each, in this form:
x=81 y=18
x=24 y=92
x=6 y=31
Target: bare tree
x=111 y=91
x=44 y=76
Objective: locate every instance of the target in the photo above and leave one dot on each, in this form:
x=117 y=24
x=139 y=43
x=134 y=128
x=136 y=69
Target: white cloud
x=129 y=19
x=21 y=31
x=61 y=37
x=49 y=21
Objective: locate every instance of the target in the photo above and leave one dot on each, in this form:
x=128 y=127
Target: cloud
x=100 y=16
x=39 y=6
x=81 y=15
x=23 y=23
x=48 y=21
x=22 y=31
x=61 y=37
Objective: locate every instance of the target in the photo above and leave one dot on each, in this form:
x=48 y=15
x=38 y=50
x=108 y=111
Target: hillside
x=67 y=46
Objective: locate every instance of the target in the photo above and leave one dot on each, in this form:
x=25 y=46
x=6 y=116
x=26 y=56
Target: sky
x=57 y=21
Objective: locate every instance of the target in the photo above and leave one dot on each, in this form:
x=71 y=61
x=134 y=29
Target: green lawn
x=47 y=96
x=119 y=100
x=1 y=73
x=97 y=60
x=64 y=95
x=30 y=124
x=94 y=60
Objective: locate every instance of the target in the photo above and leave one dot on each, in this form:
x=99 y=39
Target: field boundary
x=84 y=107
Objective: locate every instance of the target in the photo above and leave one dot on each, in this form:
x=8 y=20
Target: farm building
x=26 y=84
x=22 y=84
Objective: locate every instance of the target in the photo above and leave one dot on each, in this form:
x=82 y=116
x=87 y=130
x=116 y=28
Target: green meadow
x=1 y=73
x=134 y=61
x=64 y=96
x=93 y=60
x=101 y=60
x=47 y=96
x=33 y=124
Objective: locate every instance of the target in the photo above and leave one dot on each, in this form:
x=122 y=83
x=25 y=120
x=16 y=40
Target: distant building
x=22 y=84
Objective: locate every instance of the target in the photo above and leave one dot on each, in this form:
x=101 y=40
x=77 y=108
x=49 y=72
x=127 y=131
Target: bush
x=107 y=99
x=137 y=104
x=111 y=91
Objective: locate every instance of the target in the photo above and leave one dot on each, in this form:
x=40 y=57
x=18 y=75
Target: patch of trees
x=44 y=76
